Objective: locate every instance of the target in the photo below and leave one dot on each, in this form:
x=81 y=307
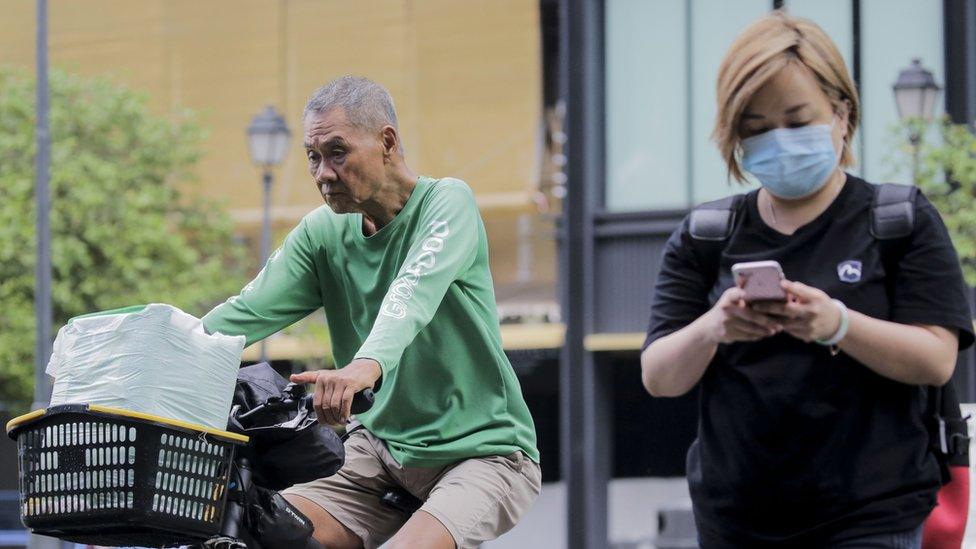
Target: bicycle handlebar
x=361 y=402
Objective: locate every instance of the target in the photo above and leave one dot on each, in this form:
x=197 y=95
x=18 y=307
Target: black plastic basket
x=98 y=475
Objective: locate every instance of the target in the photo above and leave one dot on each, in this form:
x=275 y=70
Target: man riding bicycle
x=400 y=265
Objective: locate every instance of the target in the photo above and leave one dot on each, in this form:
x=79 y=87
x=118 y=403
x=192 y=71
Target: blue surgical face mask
x=791 y=162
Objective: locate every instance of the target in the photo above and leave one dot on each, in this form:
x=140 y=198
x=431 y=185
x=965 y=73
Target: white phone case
x=760 y=279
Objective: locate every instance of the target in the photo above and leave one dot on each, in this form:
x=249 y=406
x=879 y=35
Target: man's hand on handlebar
x=334 y=389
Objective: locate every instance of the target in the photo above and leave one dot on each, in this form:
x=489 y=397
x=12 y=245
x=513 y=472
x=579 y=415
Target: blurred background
x=581 y=125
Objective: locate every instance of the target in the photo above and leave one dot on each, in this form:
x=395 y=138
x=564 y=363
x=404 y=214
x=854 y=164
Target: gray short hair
x=367 y=104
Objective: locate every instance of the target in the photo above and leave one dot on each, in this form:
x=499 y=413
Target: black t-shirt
x=796 y=446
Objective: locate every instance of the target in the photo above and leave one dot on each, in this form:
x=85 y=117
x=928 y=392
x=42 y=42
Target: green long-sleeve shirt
x=417 y=297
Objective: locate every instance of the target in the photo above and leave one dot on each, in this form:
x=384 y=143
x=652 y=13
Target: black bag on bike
x=287 y=446
x=274 y=523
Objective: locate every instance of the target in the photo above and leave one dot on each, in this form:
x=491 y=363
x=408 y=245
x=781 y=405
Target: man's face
x=346 y=162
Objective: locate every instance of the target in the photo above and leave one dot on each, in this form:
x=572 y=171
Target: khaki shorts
x=476 y=499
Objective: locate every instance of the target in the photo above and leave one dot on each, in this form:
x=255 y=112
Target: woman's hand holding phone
x=731 y=320
x=763 y=303
x=809 y=314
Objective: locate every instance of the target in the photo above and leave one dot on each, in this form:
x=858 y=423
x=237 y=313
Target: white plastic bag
x=154 y=359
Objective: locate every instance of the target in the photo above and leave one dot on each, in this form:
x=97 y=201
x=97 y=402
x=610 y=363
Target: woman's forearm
x=915 y=355
x=672 y=365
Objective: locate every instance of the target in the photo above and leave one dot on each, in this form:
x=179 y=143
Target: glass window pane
x=714 y=25
x=646 y=105
x=893 y=32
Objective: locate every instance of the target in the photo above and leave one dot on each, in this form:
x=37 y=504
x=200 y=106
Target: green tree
x=122 y=233
x=946 y=173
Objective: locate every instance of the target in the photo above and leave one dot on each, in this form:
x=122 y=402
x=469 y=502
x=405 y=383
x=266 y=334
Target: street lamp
x=915 y=95
x=267 y=138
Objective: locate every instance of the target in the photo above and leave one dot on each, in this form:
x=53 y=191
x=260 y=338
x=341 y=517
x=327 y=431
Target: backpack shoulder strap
x=893 y=211
x=713 y=221
x=892 y=219
x=710 y=225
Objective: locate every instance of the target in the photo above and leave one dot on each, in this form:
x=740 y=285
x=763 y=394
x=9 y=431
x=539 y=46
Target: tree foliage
x=947 y=174
x=122 y=233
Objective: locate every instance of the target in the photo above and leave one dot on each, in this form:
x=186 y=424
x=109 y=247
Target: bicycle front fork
x=237 y=487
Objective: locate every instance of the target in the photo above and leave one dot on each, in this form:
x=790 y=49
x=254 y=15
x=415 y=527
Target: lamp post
x=915 y=95
x=267 y=139
x=42 y=282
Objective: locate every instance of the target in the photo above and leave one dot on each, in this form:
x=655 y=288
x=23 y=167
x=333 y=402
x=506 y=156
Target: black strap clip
x=953 y=437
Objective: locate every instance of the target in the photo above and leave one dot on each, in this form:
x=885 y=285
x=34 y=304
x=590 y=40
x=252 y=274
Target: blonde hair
x=759 y=53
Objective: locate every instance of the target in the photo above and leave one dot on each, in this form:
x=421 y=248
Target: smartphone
x=760 y=280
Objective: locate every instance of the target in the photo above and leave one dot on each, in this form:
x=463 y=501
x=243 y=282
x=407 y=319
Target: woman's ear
x=844 y=114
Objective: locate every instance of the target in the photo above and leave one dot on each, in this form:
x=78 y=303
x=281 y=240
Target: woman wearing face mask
x=810 y=431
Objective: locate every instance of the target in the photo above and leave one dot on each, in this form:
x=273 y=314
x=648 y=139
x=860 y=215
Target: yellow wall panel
x=465 y=75
x=225 y=65
x=480 y=93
